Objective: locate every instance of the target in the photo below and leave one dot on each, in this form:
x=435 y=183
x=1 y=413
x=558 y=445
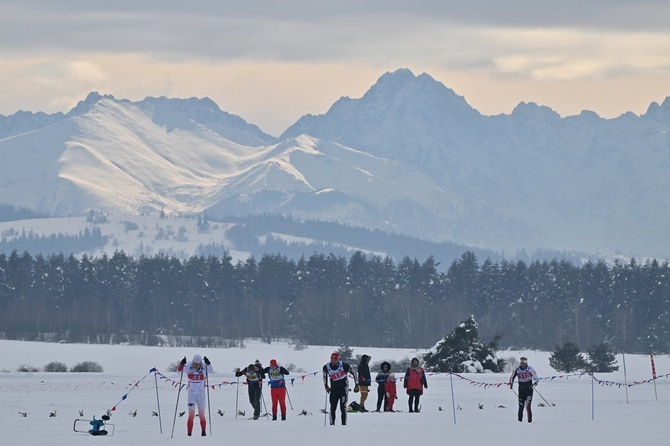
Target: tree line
x=363 y=300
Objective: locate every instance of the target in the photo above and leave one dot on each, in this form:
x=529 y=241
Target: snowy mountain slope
x=409 y=156
x=580 y=182
x=121 y=158
x=113 y=157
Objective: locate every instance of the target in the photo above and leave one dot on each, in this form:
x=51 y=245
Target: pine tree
x=567 y=358
x=461 y=351
x=601 y=359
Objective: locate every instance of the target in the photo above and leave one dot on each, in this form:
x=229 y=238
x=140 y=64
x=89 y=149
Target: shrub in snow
x=462 y=351
x=27 y=368
x=55 y=366
x=87 y=366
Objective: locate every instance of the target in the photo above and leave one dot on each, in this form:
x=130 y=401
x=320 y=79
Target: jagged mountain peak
x=87 y=104
x=532 y=111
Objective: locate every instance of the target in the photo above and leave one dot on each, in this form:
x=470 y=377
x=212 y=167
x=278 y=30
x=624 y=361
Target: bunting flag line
x=123 y=398
x=473 y=383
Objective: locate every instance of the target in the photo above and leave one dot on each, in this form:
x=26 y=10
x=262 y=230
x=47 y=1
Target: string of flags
x=474 y=383
x=484 y=385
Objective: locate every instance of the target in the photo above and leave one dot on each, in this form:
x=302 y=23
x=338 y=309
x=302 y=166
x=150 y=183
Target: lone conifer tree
x=461 y=351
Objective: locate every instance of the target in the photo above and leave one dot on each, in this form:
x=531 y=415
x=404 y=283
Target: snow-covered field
x=581 y=413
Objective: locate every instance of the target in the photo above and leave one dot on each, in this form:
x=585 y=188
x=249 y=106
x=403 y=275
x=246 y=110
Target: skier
x=415 y=382
x=364 y=380
x=196 y=373
x=381 y=379
x=391 y=394
x=338 y=372
x=276 y=374
x=528 y=379
x=254 y=384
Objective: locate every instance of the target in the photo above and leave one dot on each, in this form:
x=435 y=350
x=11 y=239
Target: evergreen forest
x=363 y=300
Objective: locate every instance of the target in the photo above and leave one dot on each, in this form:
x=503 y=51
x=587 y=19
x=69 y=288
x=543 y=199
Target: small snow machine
x=94 y=427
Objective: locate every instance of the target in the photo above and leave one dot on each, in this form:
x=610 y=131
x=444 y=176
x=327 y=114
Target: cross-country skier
x=338 y=373
x=254 y=383
x=196 y=372
x=277 y=388
x=527 y=378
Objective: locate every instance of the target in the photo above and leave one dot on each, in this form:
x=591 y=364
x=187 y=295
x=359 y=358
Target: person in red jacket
x=415 y=382
x=391 y=394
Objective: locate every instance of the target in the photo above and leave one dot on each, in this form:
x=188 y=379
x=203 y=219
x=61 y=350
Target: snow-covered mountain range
x=410 y=156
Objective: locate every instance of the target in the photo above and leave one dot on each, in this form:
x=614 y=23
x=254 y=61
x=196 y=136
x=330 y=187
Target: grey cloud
x=292 y=29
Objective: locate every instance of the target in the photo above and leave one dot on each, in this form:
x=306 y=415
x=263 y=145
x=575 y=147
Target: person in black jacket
x=364 y=380
x=381 y=379
x=254 y=377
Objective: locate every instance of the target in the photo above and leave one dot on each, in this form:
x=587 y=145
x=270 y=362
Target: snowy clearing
x=485 y=410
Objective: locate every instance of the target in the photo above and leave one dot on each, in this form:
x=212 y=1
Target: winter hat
x=392 y=376
x=413 y=361
x=273 y=363
x=334 y=357
x=197 y=359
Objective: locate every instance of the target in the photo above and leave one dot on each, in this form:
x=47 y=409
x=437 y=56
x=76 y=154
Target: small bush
x=87 y=366
x=27 y=369
x=55 y=366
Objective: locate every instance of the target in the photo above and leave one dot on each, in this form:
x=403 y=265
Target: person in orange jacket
x=415 y=382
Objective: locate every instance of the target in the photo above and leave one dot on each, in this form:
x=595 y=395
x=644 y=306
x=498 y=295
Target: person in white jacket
x=527 y=378
x=197 y=373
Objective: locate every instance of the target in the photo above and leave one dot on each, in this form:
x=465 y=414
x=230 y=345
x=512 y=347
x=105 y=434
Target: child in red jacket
x=391 y=394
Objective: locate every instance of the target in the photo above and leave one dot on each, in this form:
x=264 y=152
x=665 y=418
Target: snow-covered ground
x=582 y=412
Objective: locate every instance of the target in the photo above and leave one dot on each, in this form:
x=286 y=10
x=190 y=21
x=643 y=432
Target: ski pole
x=209 y=407
x=289 y=398
x=158 y=401
x=237 y=395
x=548 y=403
x=325 y=409
x=267 y=415
x=177 y=406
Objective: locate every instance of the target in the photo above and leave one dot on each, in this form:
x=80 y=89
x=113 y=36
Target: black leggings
x=525 y=400
x=414 y=396
x=255 y=398
x=338 y=396
x=381 y=397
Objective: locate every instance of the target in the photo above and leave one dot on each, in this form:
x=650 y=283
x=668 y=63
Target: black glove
x=183 y=362
x=206 y=360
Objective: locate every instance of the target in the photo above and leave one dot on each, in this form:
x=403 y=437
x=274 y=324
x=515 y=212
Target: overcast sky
x=272 y=61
